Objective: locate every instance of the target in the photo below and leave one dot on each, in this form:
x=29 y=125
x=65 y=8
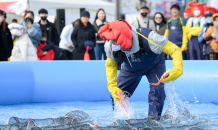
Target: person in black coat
x=6 y=42
x=48 y=27
x=83 y=32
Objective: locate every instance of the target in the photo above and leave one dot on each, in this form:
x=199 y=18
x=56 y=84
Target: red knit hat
x=118 y=30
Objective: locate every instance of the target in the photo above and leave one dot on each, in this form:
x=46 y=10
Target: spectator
x=32 y=29
x=212 y=35
x=83 y=35
x=208 y=16
x=48 y=28
x=23 y=49
x=176 y=31
x=66 y=43
x=142 y=21
x=160 y=23
x=6 y=42
x=100 y=20
x=186 y=15
x=44 y=50
x=193 y=28
x=14 y=21
x=59 y=54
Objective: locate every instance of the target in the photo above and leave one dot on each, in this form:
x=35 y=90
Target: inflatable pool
x=59 y=81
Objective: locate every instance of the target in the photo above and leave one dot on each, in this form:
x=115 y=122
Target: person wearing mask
x=100 y=20
x=176 y=31
x=193 y=28
x=31 y=28
x=208 y=17
x=6 y=42
x=160 y=23
x=212 y=36
x=48 y=28
x=142 y=21
x=140 y=51
x=66 y=43
x=186 y=15
x=83 y=36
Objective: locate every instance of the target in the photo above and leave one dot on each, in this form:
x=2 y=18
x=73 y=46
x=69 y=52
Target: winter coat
x=34 y=33
x=50 y=53
x=80 y=34
x=214 y=42
x=66 y=38
x=52 y=33
x=97 y=25
x=23 y=49
x=6 y=43
x=201 y=39
x=162 y=28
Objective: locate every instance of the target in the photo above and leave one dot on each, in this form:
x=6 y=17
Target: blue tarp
x=58 y=81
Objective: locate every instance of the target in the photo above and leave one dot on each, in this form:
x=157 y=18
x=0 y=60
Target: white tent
x=72 y=8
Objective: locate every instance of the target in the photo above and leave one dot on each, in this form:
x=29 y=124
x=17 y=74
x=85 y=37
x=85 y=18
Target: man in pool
x=139 y=56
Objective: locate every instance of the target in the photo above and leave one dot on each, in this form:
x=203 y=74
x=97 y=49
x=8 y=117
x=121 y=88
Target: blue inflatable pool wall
x=58 y=81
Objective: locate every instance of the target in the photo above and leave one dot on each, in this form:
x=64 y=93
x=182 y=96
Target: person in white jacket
x=66 y=43
x=23 y=49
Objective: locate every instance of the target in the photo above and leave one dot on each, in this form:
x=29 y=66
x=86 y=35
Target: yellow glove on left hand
x=176 y=54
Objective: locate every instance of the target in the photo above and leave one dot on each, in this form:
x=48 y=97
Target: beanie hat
x=85 y=13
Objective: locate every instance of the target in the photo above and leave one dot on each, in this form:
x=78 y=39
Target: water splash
x=121 y=113
x=174 y=104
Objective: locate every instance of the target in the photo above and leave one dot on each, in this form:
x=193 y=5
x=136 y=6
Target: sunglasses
x=158 y=17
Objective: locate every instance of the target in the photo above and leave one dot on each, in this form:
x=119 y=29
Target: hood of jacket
x=215 y=15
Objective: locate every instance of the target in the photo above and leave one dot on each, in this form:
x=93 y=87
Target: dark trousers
x=207 y=57
x=68 y=54
x=99 y=51
x=128 y=81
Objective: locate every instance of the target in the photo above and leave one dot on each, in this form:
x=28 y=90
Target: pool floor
x=100 y=111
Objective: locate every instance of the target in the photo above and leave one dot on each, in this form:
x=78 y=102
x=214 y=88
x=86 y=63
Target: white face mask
x=208 y=19
x=1 y=18
x=115 y=47
x=196 y=12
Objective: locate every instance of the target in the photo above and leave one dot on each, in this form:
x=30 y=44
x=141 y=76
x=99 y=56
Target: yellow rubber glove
x=111 y=72
x=194 y=32
x=189 y=29
x=166 y=33
x=176 y=54
x=184 y=39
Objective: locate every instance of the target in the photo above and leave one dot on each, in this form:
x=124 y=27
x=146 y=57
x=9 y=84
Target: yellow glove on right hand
x=111 y=72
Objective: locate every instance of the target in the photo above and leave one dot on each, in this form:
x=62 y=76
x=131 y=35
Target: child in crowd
x=48 y=51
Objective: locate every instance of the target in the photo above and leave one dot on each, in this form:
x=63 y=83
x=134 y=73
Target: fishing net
x=78 y=120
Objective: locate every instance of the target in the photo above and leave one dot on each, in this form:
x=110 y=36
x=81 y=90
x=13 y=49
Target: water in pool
x=99 y=111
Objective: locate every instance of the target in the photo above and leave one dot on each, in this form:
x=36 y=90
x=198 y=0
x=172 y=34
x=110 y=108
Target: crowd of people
x=195 y=35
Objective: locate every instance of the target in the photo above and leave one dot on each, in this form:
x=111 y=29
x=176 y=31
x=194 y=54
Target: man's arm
x=160 y=44
x=111 y=72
